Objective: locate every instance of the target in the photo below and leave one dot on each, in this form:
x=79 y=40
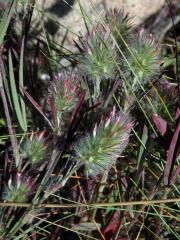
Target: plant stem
x=94 y=205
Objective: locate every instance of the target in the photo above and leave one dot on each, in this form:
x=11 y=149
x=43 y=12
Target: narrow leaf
x=77 y=109
x=144 y=140
x=15 y=94
x=111 y=229
x=5 y=82
x=21 y=84
x=171 y=157
x=5 y=21
x=53 y=111
x=37 y=106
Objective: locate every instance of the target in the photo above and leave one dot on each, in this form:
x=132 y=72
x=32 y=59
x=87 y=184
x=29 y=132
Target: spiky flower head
x=120 y=25
x=63 y=98
x=18 y=189
x=64 y=90
x=97 y=60
x=98 y=150
x=35 y=148
x=144 y=58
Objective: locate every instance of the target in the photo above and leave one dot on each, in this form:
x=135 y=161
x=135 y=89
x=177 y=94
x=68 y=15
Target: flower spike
x=99 y=150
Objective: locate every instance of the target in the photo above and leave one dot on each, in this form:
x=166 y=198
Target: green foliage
x=19 y=109
x=5 y=20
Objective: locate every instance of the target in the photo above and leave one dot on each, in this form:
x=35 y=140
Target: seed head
x=18 y=189
x=144 y=58
x=97 y=60
x=34 y=148
x=98 y=150
x=119 y=23
x=64 y=91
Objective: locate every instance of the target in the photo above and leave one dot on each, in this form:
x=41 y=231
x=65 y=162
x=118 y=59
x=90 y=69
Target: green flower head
x=18 y=189
x=98 y=150
x=119 y=23
x=97 y=60
x=144 y=58
x=34 y=148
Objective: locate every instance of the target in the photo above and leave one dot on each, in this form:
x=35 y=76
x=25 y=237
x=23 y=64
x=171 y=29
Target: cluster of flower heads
x=107 y=48
x=113 y=47
x=98 y=150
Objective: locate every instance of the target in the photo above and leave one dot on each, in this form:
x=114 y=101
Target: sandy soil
x=67 y=13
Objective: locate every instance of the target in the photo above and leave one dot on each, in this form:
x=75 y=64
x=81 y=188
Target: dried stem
x=95 y=205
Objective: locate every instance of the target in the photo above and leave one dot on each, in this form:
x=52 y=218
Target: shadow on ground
x=61 y=7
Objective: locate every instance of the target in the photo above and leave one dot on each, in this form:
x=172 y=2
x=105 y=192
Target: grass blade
x=21 y=84
x=5 y=21
x=144 y=140
x=15 y=94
